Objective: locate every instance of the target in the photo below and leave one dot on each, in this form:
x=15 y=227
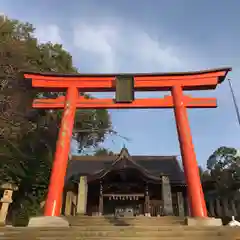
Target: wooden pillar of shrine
x=188 y=209
x=233 y=207
x=180 y=203
x=147 y=202
x=167 y=196
x=100 y=206
x=225 y=205
x=68 y=204
x=218 y=208
x=211 y=204
x=82 y=195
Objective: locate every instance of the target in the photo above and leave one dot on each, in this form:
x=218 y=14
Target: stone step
x=124 y=224
x=93 y=218
x=129 y=220
x=107 y=228
x=115 y=238
x=118 y=228
x=125 y=220
x=125 y=233
x=118 y=233
x=84 y=220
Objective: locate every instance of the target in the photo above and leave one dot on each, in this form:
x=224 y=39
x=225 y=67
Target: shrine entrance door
x=123 y=192
x=121 y=205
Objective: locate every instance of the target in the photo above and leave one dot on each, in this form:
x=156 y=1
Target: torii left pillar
x=54 y=198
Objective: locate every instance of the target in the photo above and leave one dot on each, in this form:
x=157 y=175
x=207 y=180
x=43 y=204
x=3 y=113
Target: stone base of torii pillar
x=204 y=222
x=44 y=221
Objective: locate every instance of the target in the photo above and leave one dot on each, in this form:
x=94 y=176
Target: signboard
x=124 y=89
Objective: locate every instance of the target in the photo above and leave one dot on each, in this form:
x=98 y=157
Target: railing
x=223 y=207
x=156 y=208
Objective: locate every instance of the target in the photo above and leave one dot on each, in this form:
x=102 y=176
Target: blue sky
x=148 y=36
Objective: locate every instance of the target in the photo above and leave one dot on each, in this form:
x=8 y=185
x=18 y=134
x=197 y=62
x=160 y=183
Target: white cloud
x=121 y=48
x=48 y=33
x=114 y=47
x=98 y=41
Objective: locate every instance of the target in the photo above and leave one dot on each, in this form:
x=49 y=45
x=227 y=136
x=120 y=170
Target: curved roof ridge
x=124 y=155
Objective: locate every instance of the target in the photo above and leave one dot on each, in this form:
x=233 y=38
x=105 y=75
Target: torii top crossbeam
x=174 y=82
x=198 y=80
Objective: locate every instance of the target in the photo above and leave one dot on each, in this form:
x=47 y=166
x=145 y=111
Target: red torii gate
x=174 y=82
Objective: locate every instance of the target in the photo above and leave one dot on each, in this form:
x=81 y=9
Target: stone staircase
x=104 y=228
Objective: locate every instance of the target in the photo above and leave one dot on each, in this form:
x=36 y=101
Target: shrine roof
x=152 y=166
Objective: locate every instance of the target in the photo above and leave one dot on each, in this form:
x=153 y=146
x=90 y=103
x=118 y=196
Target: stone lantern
x=6 y=200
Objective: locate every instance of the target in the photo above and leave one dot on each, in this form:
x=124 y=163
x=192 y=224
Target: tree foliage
x=103 y=152
x=224 y=170
x=92 y=128
x=27 y=136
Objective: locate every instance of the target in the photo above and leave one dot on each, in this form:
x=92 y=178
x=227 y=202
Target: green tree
x=201 y=171
x=92 y=129
x=224 y=170
x=103 y=152
x=204 y=174
x=28 y=136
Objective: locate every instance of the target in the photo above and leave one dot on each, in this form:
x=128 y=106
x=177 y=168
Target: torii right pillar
x=195 y=192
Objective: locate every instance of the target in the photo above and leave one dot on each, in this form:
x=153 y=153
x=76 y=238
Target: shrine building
x=124 y=184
